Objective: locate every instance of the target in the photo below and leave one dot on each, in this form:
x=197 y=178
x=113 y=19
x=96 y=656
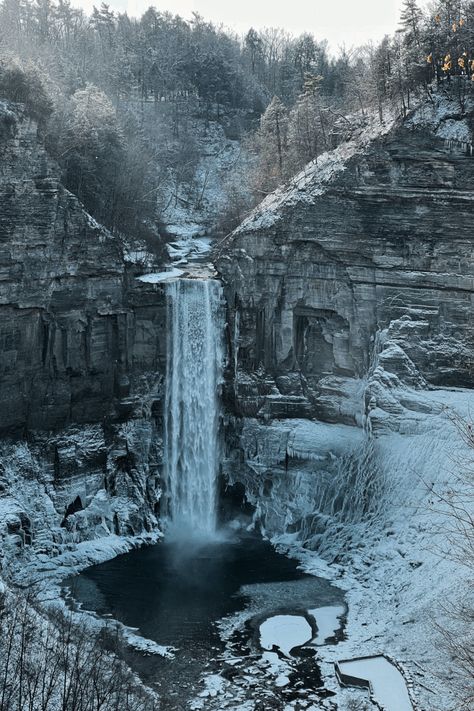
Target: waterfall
x=192 y=413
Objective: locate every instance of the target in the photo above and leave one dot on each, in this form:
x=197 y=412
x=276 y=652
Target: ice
x=147 y=646
x=285 y=632
x=387 y=683
x=276 y=667
x=328 y=621
x=214 y=684
x=188 y=248
x=159 y=277
x=316 y=440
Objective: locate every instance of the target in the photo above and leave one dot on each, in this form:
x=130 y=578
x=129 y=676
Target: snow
x=160 y=277
x=397 y=575
x=214 y=684
x=328 y=621
x=275 y=666
x=454 y=130
x=187 y=259
x=188 y=248
x=147 y=646
x=317 y=440
x=316 y=177
x=437 y=117
x=387 y=684
x=268 y=444
x=192 y=208
x=285 y=632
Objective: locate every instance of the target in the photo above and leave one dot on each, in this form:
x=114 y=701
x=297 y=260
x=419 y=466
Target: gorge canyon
x=348 y=338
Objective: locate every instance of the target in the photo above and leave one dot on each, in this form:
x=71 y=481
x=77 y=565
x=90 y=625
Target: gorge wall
x=82 y=360
x=350 y=297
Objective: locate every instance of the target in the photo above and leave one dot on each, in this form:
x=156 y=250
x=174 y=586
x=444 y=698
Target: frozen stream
x=175 y=596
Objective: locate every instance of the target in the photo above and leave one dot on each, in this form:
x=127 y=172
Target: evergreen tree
x=410 y=22
x=274 y=128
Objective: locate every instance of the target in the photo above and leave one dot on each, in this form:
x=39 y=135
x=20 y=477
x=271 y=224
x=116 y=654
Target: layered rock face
x=354 y=284
x=81 y=351
x=377 y=230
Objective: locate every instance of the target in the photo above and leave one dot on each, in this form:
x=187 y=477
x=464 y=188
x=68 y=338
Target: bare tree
x=455 y=506
x=48 y=662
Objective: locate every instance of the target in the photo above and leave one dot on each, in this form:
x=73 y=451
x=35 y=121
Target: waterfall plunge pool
x=189 y=598
x=235 y=611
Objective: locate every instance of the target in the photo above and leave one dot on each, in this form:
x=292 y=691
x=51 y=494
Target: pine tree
x=307 y=134
x=274 y=127
x=410 y=22
x=254 y=48
x=412 y=70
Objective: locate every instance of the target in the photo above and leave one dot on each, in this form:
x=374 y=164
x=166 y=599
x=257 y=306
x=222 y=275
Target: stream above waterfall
x=184 y=597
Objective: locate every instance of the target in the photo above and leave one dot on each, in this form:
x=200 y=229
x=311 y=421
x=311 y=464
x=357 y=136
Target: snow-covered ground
x=160 y=277
x=399 y=565
x=194 y=210
x=398 y=580
x=402 y=585
x=317 y=175
x=189 y=257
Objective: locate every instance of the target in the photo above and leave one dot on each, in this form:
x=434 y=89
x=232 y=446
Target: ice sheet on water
x=285 y=632
x=387 y=683
x=147 y=646
x=328 y=621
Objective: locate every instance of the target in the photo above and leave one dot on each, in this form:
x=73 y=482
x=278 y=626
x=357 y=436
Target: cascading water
x=192 y=408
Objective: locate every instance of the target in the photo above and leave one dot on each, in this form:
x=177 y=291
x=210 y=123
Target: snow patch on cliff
x=442 y=117
x=319 y=440
x=316 y=177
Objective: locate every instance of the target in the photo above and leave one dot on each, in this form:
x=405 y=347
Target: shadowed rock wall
x=73 y=335
x=82 y=353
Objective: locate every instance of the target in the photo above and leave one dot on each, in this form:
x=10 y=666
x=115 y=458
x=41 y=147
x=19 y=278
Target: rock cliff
x=81 y=360
x=350 y=299
x=350 y=290
x=376 y=230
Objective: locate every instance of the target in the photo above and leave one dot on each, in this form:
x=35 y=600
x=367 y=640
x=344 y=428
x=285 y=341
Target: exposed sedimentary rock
x=350 y=293
x=379 y=230
x=82 y=350
x=70 y=336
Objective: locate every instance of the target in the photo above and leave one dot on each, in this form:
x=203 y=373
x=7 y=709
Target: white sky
x=349 y=22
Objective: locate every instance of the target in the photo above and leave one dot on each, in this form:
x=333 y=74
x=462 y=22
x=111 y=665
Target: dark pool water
x=174 y=593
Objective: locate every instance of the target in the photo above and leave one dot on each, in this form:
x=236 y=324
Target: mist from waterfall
x=195 y=356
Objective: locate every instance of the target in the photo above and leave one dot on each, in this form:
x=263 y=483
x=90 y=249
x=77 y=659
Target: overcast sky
x=348 y=22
